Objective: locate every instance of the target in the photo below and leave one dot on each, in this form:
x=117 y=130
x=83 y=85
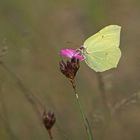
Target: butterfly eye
x=81 y=48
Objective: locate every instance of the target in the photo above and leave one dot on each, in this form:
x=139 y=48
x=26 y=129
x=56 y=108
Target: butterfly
x=101 y=51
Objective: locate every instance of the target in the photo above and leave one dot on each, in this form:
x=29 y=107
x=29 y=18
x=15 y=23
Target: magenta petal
x=67 y=52
x=71 y=53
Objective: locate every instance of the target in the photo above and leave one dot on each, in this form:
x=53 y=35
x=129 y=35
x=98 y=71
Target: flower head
x=48 y=119
x=70 y=68
x=70 y=53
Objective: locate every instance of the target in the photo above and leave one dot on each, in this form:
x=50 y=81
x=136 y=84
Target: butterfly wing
x=102 y=61
x=101 y=50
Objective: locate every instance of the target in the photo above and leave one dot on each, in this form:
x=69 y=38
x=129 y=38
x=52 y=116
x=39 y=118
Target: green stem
x=84 y=118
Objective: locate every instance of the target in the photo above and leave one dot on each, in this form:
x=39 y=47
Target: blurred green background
x=34 y=31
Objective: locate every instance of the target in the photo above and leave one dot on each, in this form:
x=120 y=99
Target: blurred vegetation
x=30 y=80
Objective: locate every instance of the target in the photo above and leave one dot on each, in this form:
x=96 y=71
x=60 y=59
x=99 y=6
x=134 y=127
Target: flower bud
x=48 y=119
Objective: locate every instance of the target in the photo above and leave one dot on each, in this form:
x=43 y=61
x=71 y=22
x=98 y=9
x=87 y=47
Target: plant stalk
x=84 y=118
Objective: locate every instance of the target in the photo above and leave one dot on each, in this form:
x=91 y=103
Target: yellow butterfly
x=101 y=51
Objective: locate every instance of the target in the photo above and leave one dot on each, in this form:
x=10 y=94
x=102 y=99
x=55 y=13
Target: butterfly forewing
x=106 y=38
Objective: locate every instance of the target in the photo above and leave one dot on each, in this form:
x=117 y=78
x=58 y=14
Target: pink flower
x=71 y=53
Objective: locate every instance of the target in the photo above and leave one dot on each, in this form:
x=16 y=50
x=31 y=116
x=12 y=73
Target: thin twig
x=123 y=102
x=103 y=94
x=32 y=99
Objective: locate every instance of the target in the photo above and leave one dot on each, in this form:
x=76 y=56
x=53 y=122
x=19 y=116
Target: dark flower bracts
x=70 y=67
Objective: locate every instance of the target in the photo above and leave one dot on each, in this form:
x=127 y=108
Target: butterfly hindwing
x=102 y=61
